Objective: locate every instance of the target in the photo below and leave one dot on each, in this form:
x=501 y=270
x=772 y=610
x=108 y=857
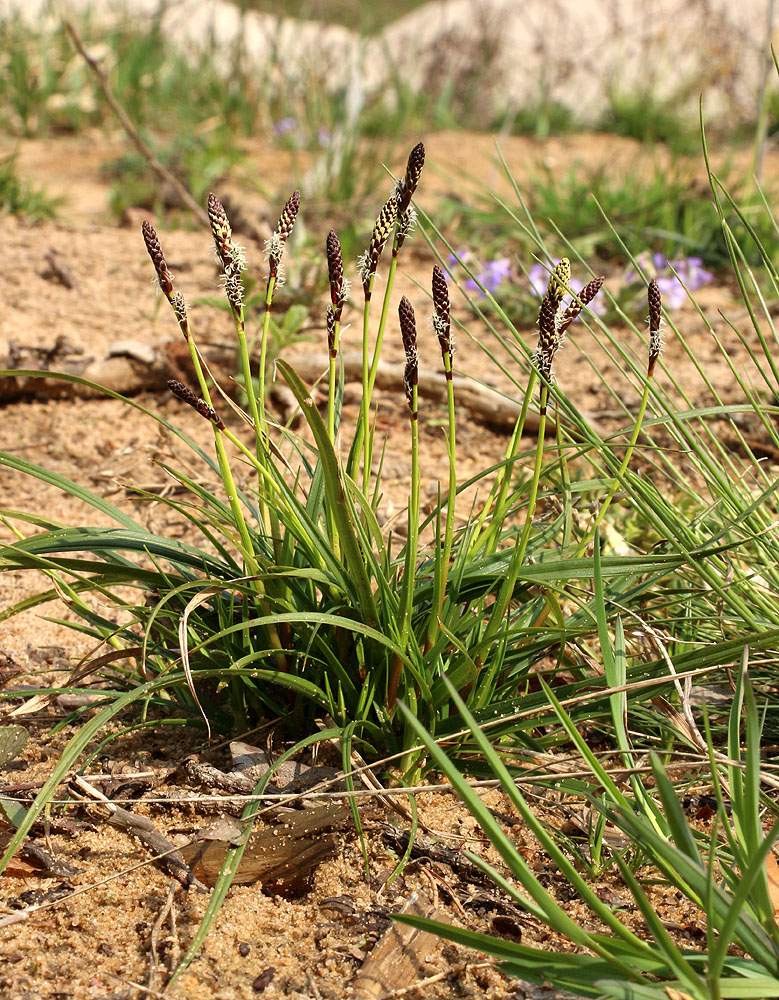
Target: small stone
x=264 y=979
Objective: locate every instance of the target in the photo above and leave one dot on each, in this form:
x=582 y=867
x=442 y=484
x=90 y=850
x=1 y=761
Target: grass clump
x=290 y=600
x=20 y=197
x=643 y=117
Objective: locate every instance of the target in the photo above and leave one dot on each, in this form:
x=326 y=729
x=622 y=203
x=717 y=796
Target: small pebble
x=264 y=979
x=244 y=949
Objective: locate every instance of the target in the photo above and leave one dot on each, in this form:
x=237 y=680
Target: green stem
x=518 y=555
x=247 y=547
x=261 y=428
x=496 y=502
x=620 y=474
x=363 y=442
x=410 y=562
x=383 y=320
x=331 y=385
x=440 y=594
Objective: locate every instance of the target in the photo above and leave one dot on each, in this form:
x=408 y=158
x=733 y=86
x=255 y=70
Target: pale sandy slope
x=515 y=52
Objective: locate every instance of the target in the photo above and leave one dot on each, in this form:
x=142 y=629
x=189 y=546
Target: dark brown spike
x=440 y=293
x=288 y=216
x=186 y=395
x=335 y=269
x=416 y=160
x=157 y=258
x=655 y=305
x=408 y=325
x=586 y=295
x=547 y=335
x=408 y=331
x=441 y=318
x=655 y=318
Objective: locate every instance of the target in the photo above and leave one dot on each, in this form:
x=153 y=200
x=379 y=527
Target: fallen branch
x=132 y=133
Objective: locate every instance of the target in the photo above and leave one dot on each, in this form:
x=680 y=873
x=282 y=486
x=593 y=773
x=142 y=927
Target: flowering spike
x=369 y=261
x=275 y=245
x=164 y=276
x=408 y=331
x=335 y=269
x=229 y=254
x=550 y=318
x=558 y=279
x=288 y=216
x=184 y=393
x=441 y=318
x=586 y=295
x=406 y=187
x=655 y=319
x=221 y=229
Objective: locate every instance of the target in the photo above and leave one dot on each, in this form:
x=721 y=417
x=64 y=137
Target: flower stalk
x=398 y=213
x=655 y=301
x=338 y=292
x=442 y=328
x=408 y=332
x=274 y=248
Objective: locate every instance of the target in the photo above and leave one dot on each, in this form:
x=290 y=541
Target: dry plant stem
x=146 y=832
x=132 y=133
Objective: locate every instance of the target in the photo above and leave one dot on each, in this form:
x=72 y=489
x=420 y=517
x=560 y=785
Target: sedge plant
x=286 y=599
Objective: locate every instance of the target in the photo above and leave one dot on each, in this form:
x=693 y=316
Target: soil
x=98 y=944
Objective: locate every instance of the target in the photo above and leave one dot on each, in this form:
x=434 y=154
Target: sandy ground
x=97 y=944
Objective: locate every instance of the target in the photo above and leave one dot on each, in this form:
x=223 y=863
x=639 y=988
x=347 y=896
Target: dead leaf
x=281 y=857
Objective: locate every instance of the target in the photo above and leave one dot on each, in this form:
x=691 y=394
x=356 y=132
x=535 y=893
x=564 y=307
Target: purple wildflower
x=285 y=126
x=486 y=280
x=673 y=276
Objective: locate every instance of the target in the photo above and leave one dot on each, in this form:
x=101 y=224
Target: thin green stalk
x=333 y=357
x=442 y=327
x=412 y=542
x=260 y=419
x=406 y=603
x=618 y=478
x=364 y=424
x=495 y=507
x=655 y=346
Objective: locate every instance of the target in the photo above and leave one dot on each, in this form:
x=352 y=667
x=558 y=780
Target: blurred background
x=167 y=101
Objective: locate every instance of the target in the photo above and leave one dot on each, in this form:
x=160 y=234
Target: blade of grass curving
x=555 y=916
